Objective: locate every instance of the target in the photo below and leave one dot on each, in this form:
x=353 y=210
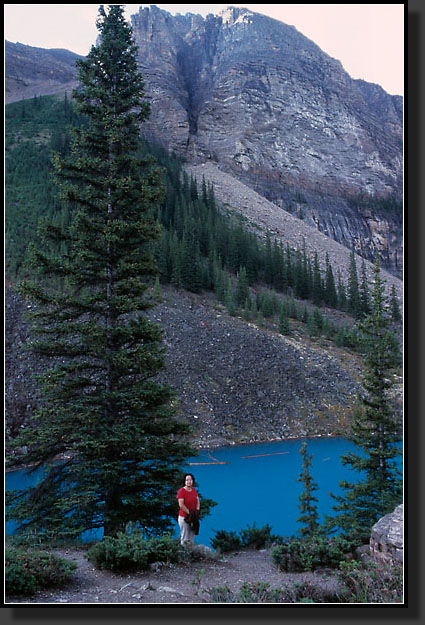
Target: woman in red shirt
x=188 y=500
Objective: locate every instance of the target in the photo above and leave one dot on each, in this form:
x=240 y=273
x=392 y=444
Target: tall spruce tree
x=353 y=299
x=106 y=419
x=376 y=430
x=309 y=515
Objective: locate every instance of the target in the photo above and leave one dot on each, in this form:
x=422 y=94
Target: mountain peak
x=234 y=15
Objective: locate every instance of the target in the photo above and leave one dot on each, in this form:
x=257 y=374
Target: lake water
x=258 y=485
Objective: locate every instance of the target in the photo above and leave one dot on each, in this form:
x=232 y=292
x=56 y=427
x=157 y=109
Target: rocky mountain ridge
x=31 y=71
x=264 y=104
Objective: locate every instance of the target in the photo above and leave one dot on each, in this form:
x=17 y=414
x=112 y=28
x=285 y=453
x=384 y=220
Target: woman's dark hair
x=191 y=475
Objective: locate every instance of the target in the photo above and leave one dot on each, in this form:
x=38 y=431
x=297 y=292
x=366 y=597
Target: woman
x=188 y=500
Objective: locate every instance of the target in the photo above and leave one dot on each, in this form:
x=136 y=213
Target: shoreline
x=207 y=446
x=211 y=446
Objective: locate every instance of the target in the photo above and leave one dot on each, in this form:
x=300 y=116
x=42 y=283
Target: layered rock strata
x=267 y=105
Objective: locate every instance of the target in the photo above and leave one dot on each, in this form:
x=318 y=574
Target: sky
x=368 y=39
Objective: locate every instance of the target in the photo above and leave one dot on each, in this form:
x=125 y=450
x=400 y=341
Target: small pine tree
x=241 y=288
x=364 y=292
x=317 y=284
x=342 y=294
x=376 y=431
x=330 y=293
x=353 y=302
x=247 y=314
x=309 y=515
x=284 y=327
x=394 y=306
x=230 y=300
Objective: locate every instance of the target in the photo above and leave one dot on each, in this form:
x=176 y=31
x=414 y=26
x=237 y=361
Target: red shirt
x=190 y=499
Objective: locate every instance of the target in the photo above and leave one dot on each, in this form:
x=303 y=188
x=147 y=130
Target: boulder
x=386 y=540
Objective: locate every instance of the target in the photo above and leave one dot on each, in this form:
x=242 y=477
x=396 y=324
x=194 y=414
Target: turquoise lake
x=258 y=485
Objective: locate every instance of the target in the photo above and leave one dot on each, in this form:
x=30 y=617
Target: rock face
x=269 y=107
x=266 y=105
x=386 y=541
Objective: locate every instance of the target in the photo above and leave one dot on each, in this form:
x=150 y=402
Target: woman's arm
x=182 y=506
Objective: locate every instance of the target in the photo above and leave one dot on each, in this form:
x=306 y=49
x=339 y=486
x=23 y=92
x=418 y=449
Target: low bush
x=249 y=592
x=28 y=570
x=258 y=537
x=226 y=541
x=133 y=552
x=371 y=583
x=261 y=592
x=311 y=553
x=252 y=537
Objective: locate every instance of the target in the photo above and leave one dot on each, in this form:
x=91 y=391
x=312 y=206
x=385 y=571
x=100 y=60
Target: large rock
x=386 y=541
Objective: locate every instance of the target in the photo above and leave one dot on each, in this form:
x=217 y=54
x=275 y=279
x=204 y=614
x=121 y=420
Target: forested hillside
x=205 y=249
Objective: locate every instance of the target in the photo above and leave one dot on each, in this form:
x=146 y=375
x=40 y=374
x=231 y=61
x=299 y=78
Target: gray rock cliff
x=267 y=106
x=255 y=96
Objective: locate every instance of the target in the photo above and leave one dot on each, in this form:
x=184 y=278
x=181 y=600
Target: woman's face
x=188 y=481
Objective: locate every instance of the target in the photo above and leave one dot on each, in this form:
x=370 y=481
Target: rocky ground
x=188 y=583
x=235 y=382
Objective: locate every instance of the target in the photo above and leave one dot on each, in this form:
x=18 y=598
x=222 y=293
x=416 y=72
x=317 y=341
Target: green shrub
x=249 y=592
x=226 y=541
x=252 y=537
x=261 y=592
x=310 y=553
x=371 y=583
x=133 y=552
x=28 y=571
x=257 y=537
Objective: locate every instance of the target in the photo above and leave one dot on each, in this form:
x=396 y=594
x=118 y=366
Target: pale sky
x=368 y=39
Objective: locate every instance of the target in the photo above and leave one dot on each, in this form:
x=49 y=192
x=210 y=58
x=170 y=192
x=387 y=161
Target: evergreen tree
x=364 y=292
x=309 y=515
x=108 y=422
x=330 y=293
x=342 y=294
x=315 y=323
x=230 y=300
x=317 y=285
x=376 y=430
x=283 y=326
x=242 y=292
x=394 y=306
x=353 y=300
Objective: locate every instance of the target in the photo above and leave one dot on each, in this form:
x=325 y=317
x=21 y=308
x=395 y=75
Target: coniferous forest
x=203 y=247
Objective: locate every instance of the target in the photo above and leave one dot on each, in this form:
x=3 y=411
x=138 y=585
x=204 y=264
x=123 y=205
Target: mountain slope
x=264 y=215
x=235 y=382
x=31 y=71
x=264 y=103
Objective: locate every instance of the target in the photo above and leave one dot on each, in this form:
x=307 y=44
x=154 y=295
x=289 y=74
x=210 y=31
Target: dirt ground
x=173 y=584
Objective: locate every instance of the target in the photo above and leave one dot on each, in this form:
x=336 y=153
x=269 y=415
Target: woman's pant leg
x=186 y=534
